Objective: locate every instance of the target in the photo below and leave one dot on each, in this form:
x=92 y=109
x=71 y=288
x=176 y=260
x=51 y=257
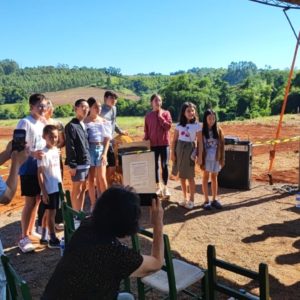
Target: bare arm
x=173 y=146
x=17 y=159
x=200 y=147
x=152 y=263
x=42 y=184
x=104 y=154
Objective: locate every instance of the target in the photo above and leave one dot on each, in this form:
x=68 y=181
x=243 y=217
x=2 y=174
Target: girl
x=213 y=157
x=188 y=134
x=158 y=123
x=99 y=135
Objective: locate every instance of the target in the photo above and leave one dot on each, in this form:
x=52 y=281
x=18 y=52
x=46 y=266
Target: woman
x=95 y=262
x=99 y=135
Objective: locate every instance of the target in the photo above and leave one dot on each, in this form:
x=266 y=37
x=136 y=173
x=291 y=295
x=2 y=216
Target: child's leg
x=82 y=194
x=183 y=187
x=78 y=189
x=192 y=188
x=91 y=186
x=156 y=157
x=214 y=185
x=26 y=214
x=101 y=178
x=164 y=158
x=44 y=224
x=31 y=227
x=205 y=186
x=51 y=221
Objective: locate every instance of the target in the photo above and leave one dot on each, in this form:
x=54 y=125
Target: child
x=213 y=157
x=99 y=135
x=30 y=189
x=157 y=127
x=187 y=136
x=49 y=175
x=109 y=113
x=77 y=153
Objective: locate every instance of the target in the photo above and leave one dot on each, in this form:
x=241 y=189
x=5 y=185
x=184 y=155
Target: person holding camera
x=95 y=261
x=8 y=188
x=185 y=145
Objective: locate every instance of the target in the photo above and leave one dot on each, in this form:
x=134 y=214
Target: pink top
x=157 y=128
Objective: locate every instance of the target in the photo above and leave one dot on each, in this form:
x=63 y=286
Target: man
x=77 y=153
x=109 y=112
x=30 y=189
x=8 y=190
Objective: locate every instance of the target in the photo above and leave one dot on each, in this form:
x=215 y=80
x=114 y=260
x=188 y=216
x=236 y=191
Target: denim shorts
x=96 y=151
x=81 y=175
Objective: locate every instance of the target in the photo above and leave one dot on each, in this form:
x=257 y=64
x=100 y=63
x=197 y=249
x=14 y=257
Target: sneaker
x=43 y=242
x=54 y=244
x=216 y=204
x=59 y=226
x=166 y=192
x=189 y=205
x=182 y=203
x=207 y=206
x=26 y=245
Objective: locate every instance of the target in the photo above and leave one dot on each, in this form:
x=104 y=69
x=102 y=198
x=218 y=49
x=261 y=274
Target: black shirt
x=77 y=145
x=92 y=267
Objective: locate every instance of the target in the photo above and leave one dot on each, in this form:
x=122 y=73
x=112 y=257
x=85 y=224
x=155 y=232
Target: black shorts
x=111 y=160
x=53 y=201
x=30 y=185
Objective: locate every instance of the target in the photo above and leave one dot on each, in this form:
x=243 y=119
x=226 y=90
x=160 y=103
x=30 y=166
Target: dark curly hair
x=117 y=212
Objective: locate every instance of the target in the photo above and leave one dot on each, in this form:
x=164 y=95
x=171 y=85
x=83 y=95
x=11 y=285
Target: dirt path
x=260 y=225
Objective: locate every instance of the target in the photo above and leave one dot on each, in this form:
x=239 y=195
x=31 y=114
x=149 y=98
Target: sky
x=142 y=36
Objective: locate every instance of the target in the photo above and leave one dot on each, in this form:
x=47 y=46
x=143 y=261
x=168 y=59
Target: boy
x=109 y=112
x=49 y=175
x=158 y=123
x=77 y=153
x=33 y=124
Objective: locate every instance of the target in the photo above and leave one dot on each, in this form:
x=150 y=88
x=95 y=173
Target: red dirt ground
x=254 y=226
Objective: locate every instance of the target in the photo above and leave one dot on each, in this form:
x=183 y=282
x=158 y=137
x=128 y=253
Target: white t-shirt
x=51 y=169
x=34 y=133
x=188 y=133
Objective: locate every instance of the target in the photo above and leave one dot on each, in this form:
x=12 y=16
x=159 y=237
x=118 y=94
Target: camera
x=146 y=199
x=19 y=140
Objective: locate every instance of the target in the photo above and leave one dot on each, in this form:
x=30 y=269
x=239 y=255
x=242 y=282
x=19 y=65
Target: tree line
x=237 y=92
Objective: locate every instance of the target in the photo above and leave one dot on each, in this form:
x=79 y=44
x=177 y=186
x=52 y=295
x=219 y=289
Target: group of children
x=193 y=143
x=89 y=153
x=88 y=139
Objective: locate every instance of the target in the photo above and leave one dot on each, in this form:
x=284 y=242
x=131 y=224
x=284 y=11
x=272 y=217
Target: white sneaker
x=166 y=192
x=59 y=226
x=182 y=203
x=26 y=245
x=189 y=205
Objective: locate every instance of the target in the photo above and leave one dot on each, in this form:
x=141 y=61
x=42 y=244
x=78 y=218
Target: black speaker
x=236 y=173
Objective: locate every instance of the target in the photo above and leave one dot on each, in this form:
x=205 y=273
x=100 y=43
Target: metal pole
x=287 y=90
